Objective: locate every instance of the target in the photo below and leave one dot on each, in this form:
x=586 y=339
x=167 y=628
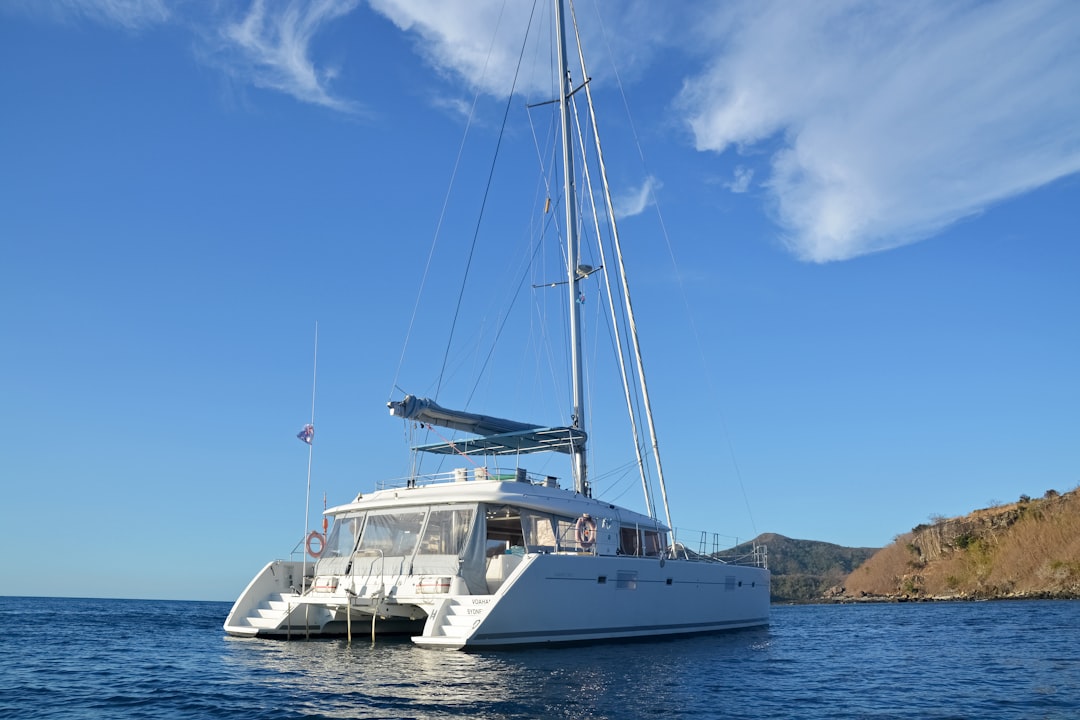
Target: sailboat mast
x=577 y=418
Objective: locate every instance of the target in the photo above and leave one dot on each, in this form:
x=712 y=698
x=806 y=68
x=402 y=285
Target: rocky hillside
x=803 y=570
x=1030 y=548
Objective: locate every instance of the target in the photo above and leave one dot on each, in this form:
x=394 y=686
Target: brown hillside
x=1027 y=549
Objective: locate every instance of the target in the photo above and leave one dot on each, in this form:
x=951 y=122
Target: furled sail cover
x=425 y=410
x=498 y=435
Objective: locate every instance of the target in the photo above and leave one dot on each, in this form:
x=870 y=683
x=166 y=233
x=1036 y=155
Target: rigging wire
x=682 y=285
x=627 y=305
x=483 y=205
x=442 y=214
x=443 y=211
x=627 y=378
x=502 y=325
x=552 y=221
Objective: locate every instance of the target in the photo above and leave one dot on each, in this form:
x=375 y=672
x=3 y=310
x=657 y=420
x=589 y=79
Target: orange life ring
x=585 y=531
x=316 y=535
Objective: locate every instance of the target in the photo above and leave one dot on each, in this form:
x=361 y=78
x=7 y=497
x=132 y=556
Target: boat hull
x=547 y=599
x=570 y=598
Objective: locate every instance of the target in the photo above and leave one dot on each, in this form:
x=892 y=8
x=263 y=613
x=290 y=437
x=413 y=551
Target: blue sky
x=858 y=301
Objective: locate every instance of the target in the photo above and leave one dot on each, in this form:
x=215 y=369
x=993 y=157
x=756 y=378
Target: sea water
x=77 y=658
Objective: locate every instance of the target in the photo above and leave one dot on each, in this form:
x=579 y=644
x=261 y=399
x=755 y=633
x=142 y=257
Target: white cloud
x=271 y=47
x=882 y=122
x=269 y=43
x=481 y=41
x=457 y=37
x=892 y=120
x=636 y=201
x=741 y=182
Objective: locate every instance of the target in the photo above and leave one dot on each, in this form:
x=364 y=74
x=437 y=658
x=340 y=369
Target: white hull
x=567 y=598
x=548 y=598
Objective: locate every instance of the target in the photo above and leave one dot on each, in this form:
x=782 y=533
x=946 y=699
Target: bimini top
x=497 y=436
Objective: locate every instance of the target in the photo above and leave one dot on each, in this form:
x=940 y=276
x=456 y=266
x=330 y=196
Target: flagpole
x=307 y=497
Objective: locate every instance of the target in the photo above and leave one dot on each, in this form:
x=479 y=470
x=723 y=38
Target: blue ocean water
x=75 y=658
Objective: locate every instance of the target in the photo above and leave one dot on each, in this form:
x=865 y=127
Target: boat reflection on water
x=396 y=678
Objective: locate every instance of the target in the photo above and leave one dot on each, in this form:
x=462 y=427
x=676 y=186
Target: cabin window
x=343 y=536
x=539 y=531
x=567 y=533
x=654 y=544
x=634 y=541
x=510 y=528
x=504 y=530
x=548 y=533
x=392 y=534
x=446 y=531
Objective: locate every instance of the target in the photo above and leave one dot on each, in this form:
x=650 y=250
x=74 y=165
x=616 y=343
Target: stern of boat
x=337 y=605
x=268 y=606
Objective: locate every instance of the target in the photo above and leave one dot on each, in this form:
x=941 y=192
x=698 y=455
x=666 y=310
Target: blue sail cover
x=498 y=436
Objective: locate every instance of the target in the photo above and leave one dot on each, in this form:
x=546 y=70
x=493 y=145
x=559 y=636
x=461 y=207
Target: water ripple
x=76 y=659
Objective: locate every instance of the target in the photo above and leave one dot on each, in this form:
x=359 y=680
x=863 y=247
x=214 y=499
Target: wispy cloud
x=271 y=48
x=481 y=41
x=129 y=14
x=637 y=200
x=880 y=123
x=741 y=182
x=266 y=43
x=883 y=122
x=450 y=37
x=889 y=121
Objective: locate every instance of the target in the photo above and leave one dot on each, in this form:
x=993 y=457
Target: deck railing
x=710 y=546
x=476 y=474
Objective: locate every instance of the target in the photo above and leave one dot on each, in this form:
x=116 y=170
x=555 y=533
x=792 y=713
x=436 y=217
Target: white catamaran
x=492 y=555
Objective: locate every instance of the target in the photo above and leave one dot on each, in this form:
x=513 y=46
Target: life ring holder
x=313 y=536
x=585 y=531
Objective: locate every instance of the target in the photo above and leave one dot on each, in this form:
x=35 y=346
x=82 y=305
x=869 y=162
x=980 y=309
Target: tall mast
x=577 y=419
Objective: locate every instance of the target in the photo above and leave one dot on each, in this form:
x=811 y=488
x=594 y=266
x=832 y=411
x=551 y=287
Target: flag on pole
x=306 y=434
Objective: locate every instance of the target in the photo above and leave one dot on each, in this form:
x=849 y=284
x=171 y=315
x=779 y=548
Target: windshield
x=343 y=535
x=446 y=531
x=394 y=534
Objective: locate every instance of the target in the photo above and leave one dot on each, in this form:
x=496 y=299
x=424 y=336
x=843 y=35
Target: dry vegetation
x=1030 y=548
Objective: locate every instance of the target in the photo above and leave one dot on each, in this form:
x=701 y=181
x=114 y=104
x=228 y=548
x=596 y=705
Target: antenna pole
x=307 y=497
